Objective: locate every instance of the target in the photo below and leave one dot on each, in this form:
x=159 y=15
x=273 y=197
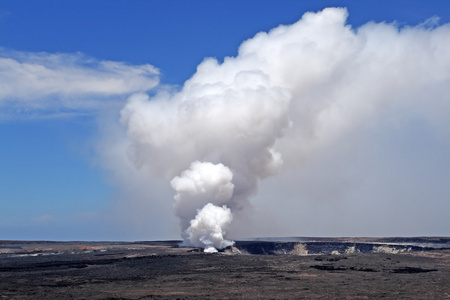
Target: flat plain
x=248 y=270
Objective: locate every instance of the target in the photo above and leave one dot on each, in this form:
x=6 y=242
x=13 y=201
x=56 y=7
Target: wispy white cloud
x=57 y=84
x=44 y=218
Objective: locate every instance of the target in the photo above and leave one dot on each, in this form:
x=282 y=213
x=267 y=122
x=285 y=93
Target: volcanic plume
x=288 y=93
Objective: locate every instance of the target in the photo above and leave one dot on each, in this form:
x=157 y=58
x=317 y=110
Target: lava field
x=296 y=268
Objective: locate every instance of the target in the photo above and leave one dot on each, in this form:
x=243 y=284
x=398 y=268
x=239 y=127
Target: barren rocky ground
x=162 y=270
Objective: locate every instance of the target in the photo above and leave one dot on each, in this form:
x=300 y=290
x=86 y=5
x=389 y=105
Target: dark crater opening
x=320 y=246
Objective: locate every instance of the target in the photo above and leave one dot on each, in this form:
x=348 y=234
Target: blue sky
x=54 y=184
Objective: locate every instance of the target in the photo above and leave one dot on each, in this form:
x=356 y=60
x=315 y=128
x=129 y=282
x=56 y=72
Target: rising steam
x=286 y=94
x=209 y=227
x=209 y=187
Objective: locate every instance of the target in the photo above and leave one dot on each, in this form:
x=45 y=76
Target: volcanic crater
x=308 y=268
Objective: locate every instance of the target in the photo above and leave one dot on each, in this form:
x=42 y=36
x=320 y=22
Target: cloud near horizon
x=46 y=84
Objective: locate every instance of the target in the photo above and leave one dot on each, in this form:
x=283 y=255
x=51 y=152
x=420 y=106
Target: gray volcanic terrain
x=291 y=268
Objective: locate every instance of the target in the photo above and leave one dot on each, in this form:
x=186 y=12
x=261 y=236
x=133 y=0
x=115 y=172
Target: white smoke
x=288 y=95
x=208 y=228
x=203 y=183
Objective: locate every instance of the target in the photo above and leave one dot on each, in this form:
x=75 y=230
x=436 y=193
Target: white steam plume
x=203 y=183
x=208 y=228
x=297 y=89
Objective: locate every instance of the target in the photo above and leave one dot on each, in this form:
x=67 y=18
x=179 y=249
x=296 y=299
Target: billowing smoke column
x=230 y=126
x=207 y=230
x=208 y=186
x=297 y=88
